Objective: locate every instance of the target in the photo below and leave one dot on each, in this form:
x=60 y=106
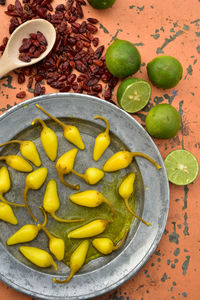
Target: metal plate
x=105 y=273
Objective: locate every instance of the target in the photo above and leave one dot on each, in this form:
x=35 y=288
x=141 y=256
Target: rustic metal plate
x=105 y=273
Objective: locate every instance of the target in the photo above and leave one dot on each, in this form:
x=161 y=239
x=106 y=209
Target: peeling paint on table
x=155 y=27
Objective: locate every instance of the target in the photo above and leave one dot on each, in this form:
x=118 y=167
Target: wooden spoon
x=9 y=60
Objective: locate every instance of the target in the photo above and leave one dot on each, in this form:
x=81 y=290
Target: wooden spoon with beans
x=10 y=59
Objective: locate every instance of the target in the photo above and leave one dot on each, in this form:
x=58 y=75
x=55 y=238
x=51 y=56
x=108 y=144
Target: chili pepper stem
x=49 y=235
x=3 y=157
x=78 y=174
x=26 y=204
x=66 y=280
x=11 y=142
x=65 y=220
x=106 y=121
x=147 y=157
x=74 y=187
x=10 y=203
x=40 y=121
x=52 y=117
x=134 y=214
x=110 y=205
x=122 y=241
x=40 y=226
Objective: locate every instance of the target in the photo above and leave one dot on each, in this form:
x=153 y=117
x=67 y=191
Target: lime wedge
x=133 y=94
x=182 y=167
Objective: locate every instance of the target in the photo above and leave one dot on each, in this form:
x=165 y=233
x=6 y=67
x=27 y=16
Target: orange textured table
x=155 y=27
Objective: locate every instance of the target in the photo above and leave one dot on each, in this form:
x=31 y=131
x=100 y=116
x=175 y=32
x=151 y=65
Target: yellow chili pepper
x=5 y=186
x=91 y=198
x=91 y=229
x=91 y=176
x=65 y=165
x=125 y=191
x=26 y=233
x=17 y=163
x=106 y=246
x=123 y=159
x=39 y=257
x=49 y=140
x=102 y=141
x=51 y=202
x=71 y=133
x=77 y=260
x=56 y=245
x=34 y=181
x=28 y=150
x=7 y=214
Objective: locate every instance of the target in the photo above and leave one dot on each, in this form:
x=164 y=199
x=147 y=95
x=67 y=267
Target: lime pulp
x=133 y=94
x=182 y=167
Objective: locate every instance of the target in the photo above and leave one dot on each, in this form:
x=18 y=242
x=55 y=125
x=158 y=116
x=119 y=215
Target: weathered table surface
x=155 y=27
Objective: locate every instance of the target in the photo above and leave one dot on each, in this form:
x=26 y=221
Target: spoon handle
x=6 y=65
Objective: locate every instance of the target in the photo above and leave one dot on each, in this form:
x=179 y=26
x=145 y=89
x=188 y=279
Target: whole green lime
x=122 y=58
x=163 y=121
x=101 y=4
x=165 y=71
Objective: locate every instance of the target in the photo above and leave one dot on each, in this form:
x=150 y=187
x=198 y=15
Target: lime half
x=133 y=94
x=182 y=167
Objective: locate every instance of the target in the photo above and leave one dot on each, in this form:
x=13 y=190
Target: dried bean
x=92 y=81
x=97 y=88
x=30 y=82
x=93 y=20
x=21 y=95
x=21 y=78
x=108 y=94
x=92 y=28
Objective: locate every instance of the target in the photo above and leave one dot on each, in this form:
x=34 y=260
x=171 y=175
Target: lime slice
x=182 y=167
x=133 y=96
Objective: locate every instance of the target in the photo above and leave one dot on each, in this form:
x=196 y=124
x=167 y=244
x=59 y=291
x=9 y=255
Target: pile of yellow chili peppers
x=51 y=203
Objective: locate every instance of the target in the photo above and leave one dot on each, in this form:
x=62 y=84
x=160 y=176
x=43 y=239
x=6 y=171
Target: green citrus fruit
x=163 y=121
x=101 y=4
x=164 y=71
x=182 y=167
x=122 y=58
x=133 y=94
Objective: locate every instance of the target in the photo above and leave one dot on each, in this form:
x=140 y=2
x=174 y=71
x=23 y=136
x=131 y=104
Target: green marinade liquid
x=115 y=230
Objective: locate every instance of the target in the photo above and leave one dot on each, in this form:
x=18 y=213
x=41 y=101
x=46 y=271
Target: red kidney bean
x=92 y=28
x=71 y=78
x=38 y=89
x=30 y=82
x=93 y=20
x=92 y=81
x=97 y=88
x=95 y=41
x=21 y=95
x=80 y=66
x=108 y=94
x=21 y=78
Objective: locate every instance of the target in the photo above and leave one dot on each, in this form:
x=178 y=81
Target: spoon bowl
x=9 y=60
